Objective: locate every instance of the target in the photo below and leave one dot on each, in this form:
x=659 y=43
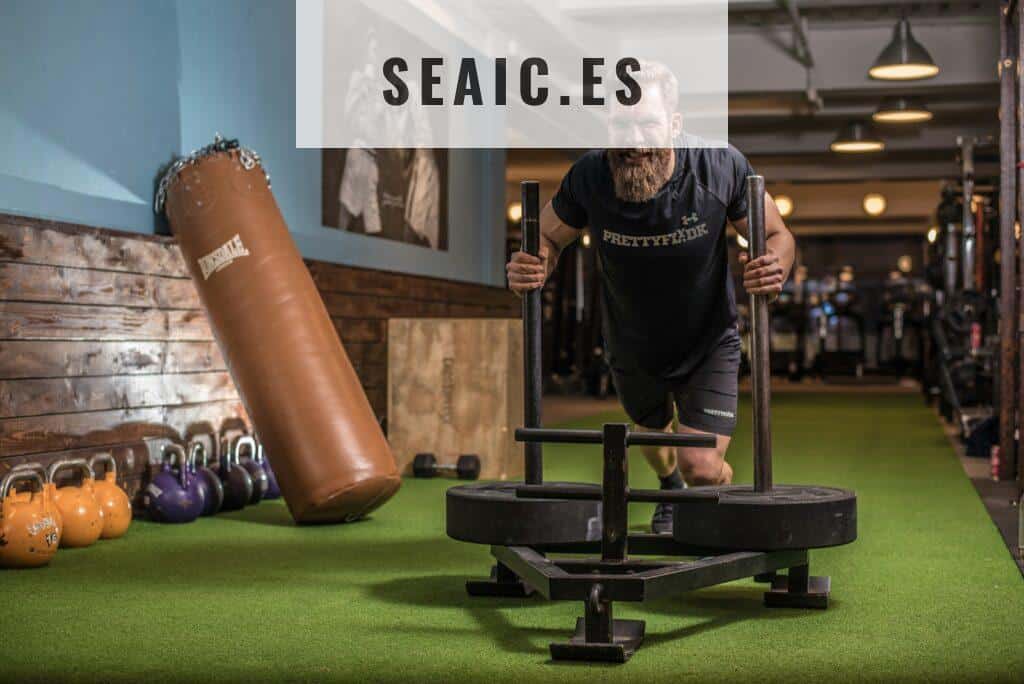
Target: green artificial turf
x=928 y=592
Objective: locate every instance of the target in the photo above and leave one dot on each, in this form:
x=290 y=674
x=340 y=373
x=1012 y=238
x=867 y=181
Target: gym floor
x=928 y=592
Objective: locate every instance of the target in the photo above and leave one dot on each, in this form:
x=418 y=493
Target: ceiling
x=798 y=72
x=771 y=116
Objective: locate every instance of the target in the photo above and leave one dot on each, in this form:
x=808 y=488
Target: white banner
x=511 y=73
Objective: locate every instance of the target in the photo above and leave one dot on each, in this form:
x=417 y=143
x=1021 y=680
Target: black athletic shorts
x=705 y=399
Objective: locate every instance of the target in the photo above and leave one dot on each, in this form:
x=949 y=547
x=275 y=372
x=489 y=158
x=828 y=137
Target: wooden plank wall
x=361 y=301
x=103 y=340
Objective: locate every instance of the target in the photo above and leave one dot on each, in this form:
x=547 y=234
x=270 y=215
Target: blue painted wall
x=88 y=108
x=98 y=94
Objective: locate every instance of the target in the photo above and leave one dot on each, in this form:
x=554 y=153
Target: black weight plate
x=423 y=465
x=468 y=467
x=736 y=518
x=490 y=513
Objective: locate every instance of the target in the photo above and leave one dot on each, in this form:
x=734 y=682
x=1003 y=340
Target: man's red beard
x=639 y=174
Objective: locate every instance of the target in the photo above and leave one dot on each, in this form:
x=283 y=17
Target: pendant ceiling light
x=857 y=136
x=902 y=110
x=903 y=59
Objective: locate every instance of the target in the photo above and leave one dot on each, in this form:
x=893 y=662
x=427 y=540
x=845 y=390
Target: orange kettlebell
x=48 y=486
x=113 y=501
x=81 y=513
x=29 y=533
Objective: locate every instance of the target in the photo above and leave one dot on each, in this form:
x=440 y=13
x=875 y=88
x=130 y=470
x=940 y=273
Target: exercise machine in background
x=962 y=316
x=789 y=330
x=842 y=343
x=901 y=326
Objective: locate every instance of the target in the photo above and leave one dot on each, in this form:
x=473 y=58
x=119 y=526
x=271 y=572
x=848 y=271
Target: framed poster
x=395 y=194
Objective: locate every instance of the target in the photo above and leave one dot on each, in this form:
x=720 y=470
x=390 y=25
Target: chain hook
x=248 y=159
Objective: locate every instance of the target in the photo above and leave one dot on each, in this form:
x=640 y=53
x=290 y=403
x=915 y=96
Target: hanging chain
x=248 y=158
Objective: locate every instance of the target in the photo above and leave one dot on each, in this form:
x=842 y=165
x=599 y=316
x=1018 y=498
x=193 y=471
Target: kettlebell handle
x=176 y=452
x=35 y=467
x=224 y=459
x=248 y=441
x=261 y=457
x=78 y=463
x=104 y=457
x=197 y=451
x=17 y=474
x=233 y=450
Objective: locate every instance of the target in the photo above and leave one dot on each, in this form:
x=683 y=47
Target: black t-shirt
x=667 y=294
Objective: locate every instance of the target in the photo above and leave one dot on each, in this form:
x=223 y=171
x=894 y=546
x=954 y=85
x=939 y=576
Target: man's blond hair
x=657 y=74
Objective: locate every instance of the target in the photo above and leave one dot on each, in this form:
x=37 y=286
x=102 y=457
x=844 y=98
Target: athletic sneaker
x=661 y=523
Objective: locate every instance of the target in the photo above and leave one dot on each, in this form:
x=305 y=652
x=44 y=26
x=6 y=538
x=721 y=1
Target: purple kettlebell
x=234 y=478
x=207 y=482
x=173 y=497
x=194 y=485
x=273 y=490
x=256 y=472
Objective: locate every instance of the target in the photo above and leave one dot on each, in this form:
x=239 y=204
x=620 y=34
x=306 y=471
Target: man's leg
x=648 y=403
x=697 y=466
x=704 y=466
x=690 y=465
x=664 y=462
x=706 y=403
x=661 y=459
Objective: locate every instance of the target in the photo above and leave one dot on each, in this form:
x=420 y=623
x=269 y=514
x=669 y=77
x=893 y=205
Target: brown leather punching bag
x=305 y=401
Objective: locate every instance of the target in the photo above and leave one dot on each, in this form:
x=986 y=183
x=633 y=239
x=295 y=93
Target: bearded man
x=658 y=214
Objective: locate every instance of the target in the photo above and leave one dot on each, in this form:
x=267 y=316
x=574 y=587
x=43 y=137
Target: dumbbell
x=466 y=468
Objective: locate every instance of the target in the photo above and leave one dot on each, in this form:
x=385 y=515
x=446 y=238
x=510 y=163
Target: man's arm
x=766 y=275
x=526 y=272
